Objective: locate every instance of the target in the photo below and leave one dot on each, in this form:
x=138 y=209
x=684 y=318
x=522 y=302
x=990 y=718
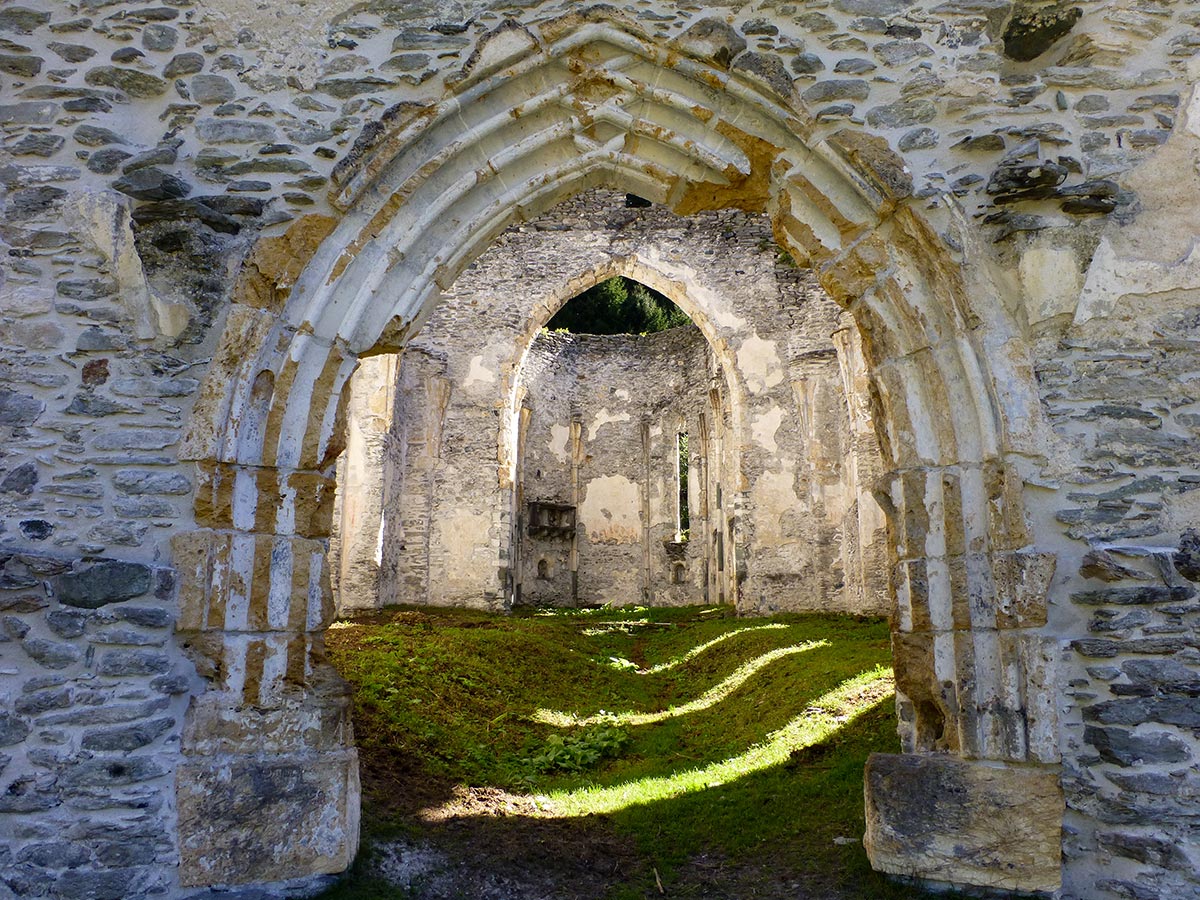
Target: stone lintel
x=964 y=822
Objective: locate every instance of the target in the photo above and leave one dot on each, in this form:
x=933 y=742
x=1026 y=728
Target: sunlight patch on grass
x=820 y=720
x=709 y=698
x=618 y=663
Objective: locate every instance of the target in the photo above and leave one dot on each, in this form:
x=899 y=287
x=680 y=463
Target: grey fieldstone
x=234 y=131
x=13 y=175
x=1166 y=676
x=902 y=114
x=72 y=53
x=105 y=162
x=407 y=62
x=66 y=623
x=872 y=7
x=146 y=508
x=897 y=53
x=1026 y=180
x=133 y=662
x=345 y=88
x=1125 y=748
x=1181 y=711
x=22 y=20
x=1129 y=596
x=29 y=203
x=86 y=288
x=184 y=64
x=20 y=65
x=767 y=69
x=988 y=143
x=837 y=89
x=85 y=884
x=144 y=616
x=124 y=534
x=212 y=89
x=136 y=84
x=54 y=855
x=854 y=65
x=105 y=582
x=159 y=37
x=19 y=409
x=14 y=627
x=807 y=64
x=95 y=136
x=130 y=737
x=171 y=684
x=127 y=54
x=20 y=480
x=31 y=112
x=152 y=184
x=12 y=729
x=918 y=139
x=1149 y=849
x=142 y=481
x=97 y=407
x=1187 y=557
x=1034 y=29
x=110 y=772
x=162 y=155
x=38 y=145
x=51 y=654
x=712 y=39
x=759 y=26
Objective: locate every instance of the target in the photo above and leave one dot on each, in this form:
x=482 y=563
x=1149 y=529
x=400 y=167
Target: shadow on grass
x=437 y=829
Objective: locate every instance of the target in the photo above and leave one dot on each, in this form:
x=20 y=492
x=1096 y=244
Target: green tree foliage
x=618 y=306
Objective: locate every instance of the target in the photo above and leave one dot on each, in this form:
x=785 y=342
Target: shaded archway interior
x=590 y=428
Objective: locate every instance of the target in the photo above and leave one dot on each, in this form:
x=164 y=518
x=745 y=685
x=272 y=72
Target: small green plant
x=576 y=752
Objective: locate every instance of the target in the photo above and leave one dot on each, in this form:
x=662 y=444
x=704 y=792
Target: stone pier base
x=963 y=822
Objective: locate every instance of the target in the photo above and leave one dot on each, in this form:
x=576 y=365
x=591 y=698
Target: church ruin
x=261 y=256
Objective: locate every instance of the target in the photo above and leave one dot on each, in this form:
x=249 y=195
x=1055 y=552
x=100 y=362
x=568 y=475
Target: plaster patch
x=765 y=427
x=1051 y=281
x=604 y=417
x=773 y=496
x=560 y=442
x=479 y=373
x=759 y=364
x=610 y=510
x=464 y=540
x=1111 y=278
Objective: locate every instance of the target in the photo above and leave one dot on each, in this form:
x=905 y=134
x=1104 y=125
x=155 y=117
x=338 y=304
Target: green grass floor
x=615 y=753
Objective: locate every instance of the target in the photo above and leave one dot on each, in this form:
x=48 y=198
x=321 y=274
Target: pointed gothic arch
x=538 y=115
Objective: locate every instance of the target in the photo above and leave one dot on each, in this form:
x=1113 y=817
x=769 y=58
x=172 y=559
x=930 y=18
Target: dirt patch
x=482 y=843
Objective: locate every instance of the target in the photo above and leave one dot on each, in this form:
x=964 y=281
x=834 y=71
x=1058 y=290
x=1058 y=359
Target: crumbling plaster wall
x=808 y=532
x=146 y=149
x=630 y=397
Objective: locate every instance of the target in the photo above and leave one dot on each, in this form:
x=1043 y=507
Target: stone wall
x=212 y=209
x=604 y=415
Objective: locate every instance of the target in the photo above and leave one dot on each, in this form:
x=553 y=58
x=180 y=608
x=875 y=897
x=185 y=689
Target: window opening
x=683 y=518
x=618 y=305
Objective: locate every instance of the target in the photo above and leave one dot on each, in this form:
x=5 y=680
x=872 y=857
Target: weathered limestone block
x=951 y=820
x=251 y=582
x=251 y=819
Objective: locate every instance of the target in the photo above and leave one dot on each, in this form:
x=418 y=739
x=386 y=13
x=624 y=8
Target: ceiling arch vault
x=587 y=100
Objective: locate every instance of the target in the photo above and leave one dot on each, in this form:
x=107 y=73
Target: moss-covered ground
x=615 y=753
